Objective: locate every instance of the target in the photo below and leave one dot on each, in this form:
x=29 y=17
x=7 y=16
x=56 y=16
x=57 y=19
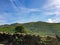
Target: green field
x=38 y=28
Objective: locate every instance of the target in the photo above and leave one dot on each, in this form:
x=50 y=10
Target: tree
x=20 y=29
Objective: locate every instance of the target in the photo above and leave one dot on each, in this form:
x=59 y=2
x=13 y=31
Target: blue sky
x=22 y=11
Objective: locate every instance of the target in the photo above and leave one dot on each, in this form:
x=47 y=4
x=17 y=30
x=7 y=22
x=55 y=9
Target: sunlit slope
x=40 y=28
x=43 y=28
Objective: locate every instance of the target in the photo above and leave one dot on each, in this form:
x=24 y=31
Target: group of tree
x=21 y=29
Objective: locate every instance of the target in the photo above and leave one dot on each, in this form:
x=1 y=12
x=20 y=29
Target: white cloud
x=2 y=20
x=5 y=18
x=50 y=21
x=21 y=8
x=56 y=19
x=28 y=10
x=53 y=8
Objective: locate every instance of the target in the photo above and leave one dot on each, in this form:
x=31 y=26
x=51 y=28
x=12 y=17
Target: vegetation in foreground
x=27 y=39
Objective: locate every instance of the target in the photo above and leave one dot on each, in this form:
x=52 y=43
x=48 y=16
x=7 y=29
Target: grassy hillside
x=40 y=28
x=43 y=28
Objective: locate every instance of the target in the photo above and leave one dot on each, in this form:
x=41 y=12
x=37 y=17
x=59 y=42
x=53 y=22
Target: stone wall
x=19 y=39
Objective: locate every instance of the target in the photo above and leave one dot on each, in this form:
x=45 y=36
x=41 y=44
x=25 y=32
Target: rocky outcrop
x=20 y=38
x=27 y=39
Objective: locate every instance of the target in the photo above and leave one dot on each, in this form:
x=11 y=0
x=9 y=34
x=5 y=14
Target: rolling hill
x=39 y=28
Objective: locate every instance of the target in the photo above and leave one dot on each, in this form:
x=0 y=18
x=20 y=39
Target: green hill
x=44 y=28
x=40 y=28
